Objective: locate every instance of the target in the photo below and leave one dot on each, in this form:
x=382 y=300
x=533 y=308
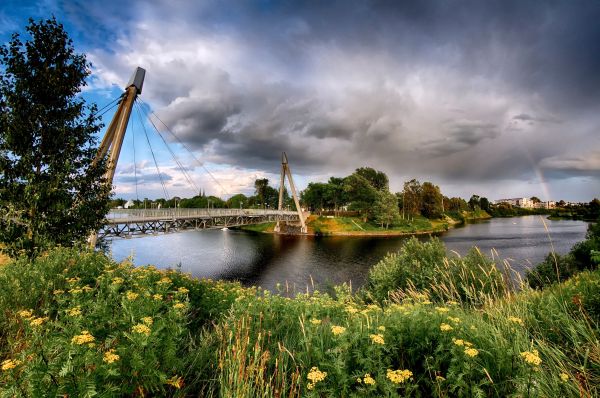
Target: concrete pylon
x=285 y=171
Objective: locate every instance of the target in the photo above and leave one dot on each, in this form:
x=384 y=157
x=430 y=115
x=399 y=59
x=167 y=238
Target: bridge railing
x=116 y=214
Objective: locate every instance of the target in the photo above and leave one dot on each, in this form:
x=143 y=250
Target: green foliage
x=385 y=209
x=424 y=267
x=432 y=200
x=50 y=190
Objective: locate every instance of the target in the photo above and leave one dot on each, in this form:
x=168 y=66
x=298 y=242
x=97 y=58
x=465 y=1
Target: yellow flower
x=337 y=330
x=399 y=376
x=458 y=342
x=58 y=292
x=315 y=376
x=531 y=357
x=440 y=378
x=444 y=327
x=10 y=364
x=564 y=376
x=515 y=320
x=117 y=281
x=179 y=306
x=25 y=314
x=148 y=320
x=315 y=321
x=451 y=302
x=426 y=302
x=37 y=321
x=441 y=309
x=157 y=297
x=183 y=290
x=131 y=295
x=351 y=310
x=110 y=356
x=164 y=281
x=73 y=280
x=75 y=291
x=381 y=328
x=454 y=319
x=75 y=311
x=141 y=329
x=377 y=339
x=83 y=338
x=175 y=381
x=369 y=380
x=472 y=352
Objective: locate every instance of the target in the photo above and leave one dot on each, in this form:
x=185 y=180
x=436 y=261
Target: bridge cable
x=175 y=158
x=107 y=107
x=167 y=197
x=186 y=148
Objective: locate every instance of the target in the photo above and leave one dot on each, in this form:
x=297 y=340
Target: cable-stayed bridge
x=130 y=222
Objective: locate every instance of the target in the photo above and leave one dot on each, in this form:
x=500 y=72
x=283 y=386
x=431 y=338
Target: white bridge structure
x=131 y=222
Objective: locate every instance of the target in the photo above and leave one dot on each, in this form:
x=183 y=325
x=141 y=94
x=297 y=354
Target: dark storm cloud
x=458 y=92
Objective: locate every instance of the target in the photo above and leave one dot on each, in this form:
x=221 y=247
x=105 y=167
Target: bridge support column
x=285 y=171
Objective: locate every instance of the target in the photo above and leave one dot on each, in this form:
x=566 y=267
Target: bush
x=423 y=267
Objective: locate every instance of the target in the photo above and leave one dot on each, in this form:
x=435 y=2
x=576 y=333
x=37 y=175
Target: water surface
x=265 y=260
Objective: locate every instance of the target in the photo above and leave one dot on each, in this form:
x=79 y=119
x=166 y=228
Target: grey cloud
x=459 y=136
x=143 y=178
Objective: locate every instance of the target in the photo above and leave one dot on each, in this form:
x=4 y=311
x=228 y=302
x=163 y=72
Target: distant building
x=545 y=205
x=128 y=204
x=518 y=202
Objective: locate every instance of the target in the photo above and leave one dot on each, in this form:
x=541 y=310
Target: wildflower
x=399 y=376
x=531 y=357
x=377 y=339
x=515 y=320
x=75 y=311
x=426 y=302
x=369 y=380
x=444 y=327
x=337 y=330
x=454 y=319
x=148 y=320
x=157 y=297
x=359 y=380
x=37 y=321
x=9 y=364
x=451 y=302
x=25 y=314
x=440 y=378
x=175 y=381
x=351 y=310
x=83 y=338
x=472 y=352
x=564 y=376
x=315 y=321
x=179 y=306
x=441 y=309
x=183 y=290
x=58 y=292
x=458 y=342
x=381 y=328
x=164 y=281
x=75 y=291
x=117 y=281
x=131 y=295
x=72 y=280
x=110 y=356
x=315 y=376
x=141 y=329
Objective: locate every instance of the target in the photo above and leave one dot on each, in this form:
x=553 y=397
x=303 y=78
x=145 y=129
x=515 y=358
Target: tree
x=413 y=197
x=385 y=209
x=432 y=201
x=474 y=202
x=361 y=194
x=237 y=201
x=260 y=187
x=378 y=179
x=534 y=199
x=484 y=203
x=51 y=192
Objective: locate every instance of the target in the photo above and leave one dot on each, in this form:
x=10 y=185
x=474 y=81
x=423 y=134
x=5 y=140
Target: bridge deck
x=128 y=222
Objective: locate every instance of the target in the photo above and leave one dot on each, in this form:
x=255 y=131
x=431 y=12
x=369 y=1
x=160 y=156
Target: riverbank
x=356 y=226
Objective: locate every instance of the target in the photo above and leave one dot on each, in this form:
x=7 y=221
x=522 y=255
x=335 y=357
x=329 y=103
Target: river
x=300 y=261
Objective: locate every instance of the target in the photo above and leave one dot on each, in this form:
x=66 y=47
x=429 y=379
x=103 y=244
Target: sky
x=495 y=98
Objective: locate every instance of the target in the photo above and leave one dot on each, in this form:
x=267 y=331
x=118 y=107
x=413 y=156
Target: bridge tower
x=285 y=171
x=113 y=138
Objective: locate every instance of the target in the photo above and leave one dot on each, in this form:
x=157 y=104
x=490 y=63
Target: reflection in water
x=265 y=260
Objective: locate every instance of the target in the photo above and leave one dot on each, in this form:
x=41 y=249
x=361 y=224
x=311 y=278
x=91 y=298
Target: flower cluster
x=9 y=364
x=337 y=330
x=515 y=320
x=83 y=338
x=315 y=376
x=532 y=357
x=141 y=329
x=399 y=376
x=110 y=356
x=369 y=380
x=377 y=339
x=472 y=352
x=131 y=295
x=75 y=311
x=315 y=321
x=444 y=327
